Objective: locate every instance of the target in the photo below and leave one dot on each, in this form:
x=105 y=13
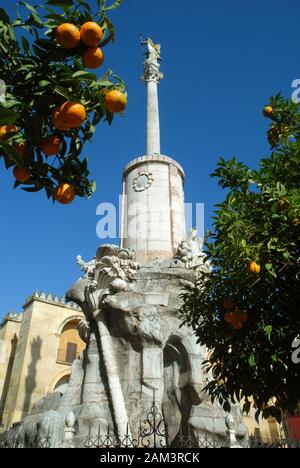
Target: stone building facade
x=37 y=349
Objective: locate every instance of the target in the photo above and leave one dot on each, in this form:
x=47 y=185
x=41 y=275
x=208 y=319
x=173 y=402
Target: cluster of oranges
x=70 y=114
x=233 y=316
x=51 y=145
x=90 y=35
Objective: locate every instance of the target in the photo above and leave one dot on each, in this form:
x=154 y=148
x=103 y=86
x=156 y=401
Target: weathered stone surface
x=136 y=346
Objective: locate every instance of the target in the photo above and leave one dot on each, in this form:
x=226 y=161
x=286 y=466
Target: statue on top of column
x=153 y=50
x=151 y=64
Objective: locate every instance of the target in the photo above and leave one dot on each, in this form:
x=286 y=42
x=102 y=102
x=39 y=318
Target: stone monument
x=138 y=356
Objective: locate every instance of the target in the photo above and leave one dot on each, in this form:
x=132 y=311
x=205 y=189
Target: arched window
x=70 y=343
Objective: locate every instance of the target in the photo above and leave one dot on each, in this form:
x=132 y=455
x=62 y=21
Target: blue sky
x=221 y=61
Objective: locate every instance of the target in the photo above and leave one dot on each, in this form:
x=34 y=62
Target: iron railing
x=152 y=433
x=280 y=442
x=37 y=442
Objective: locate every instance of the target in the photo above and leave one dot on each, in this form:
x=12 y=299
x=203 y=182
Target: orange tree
x=52 y=102
x=247 y=309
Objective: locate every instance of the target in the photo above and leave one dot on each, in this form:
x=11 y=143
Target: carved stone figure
x=190 y=253
x=153 y=50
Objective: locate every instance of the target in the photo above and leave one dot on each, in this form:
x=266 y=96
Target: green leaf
x=252 y=360
x=84 y=75
x=273 y=273
x=93 y=186
x=62 y=91
x=26 y=46
x=4 y=16
x=227 y=407
x=32 y=189
x=112 y=34
x=65 y=5
x=109 y=117
x=45 y=44
x=29 y=7
x=268 y=330
x=115 y=5
x=55 y=16
x=8 y=116
x=12 y=153
x=104 y=84
x=34 y=20
x=274 y=358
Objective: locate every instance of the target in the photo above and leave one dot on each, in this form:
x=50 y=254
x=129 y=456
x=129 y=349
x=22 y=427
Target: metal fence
x=282 y=441
x=37 y=442
x=152 y=433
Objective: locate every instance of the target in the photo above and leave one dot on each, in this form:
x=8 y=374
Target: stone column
x=153 y=131
x=152 y=77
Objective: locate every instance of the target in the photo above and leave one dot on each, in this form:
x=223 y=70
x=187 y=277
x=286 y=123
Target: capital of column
x=151 y=72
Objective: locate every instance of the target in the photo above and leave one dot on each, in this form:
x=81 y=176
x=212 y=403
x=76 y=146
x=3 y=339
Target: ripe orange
x=236 y=316
x=240 y=316
x=254 y=268
x=69 y=115
x=244 y=317
x=59 y=124
x=91 y=34
x=115 y=101
x=51 y=145
x=67 y=35
x=22 y=175
x=5 y=129
x=268 y=111
x=20 y=147
x=229 y=317
x=229 y=303
x=238 y=325
x=72 y=114
x=64 y=193
x=93 y=57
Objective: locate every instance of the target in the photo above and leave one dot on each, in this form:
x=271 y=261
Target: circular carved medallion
x=142 y=182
